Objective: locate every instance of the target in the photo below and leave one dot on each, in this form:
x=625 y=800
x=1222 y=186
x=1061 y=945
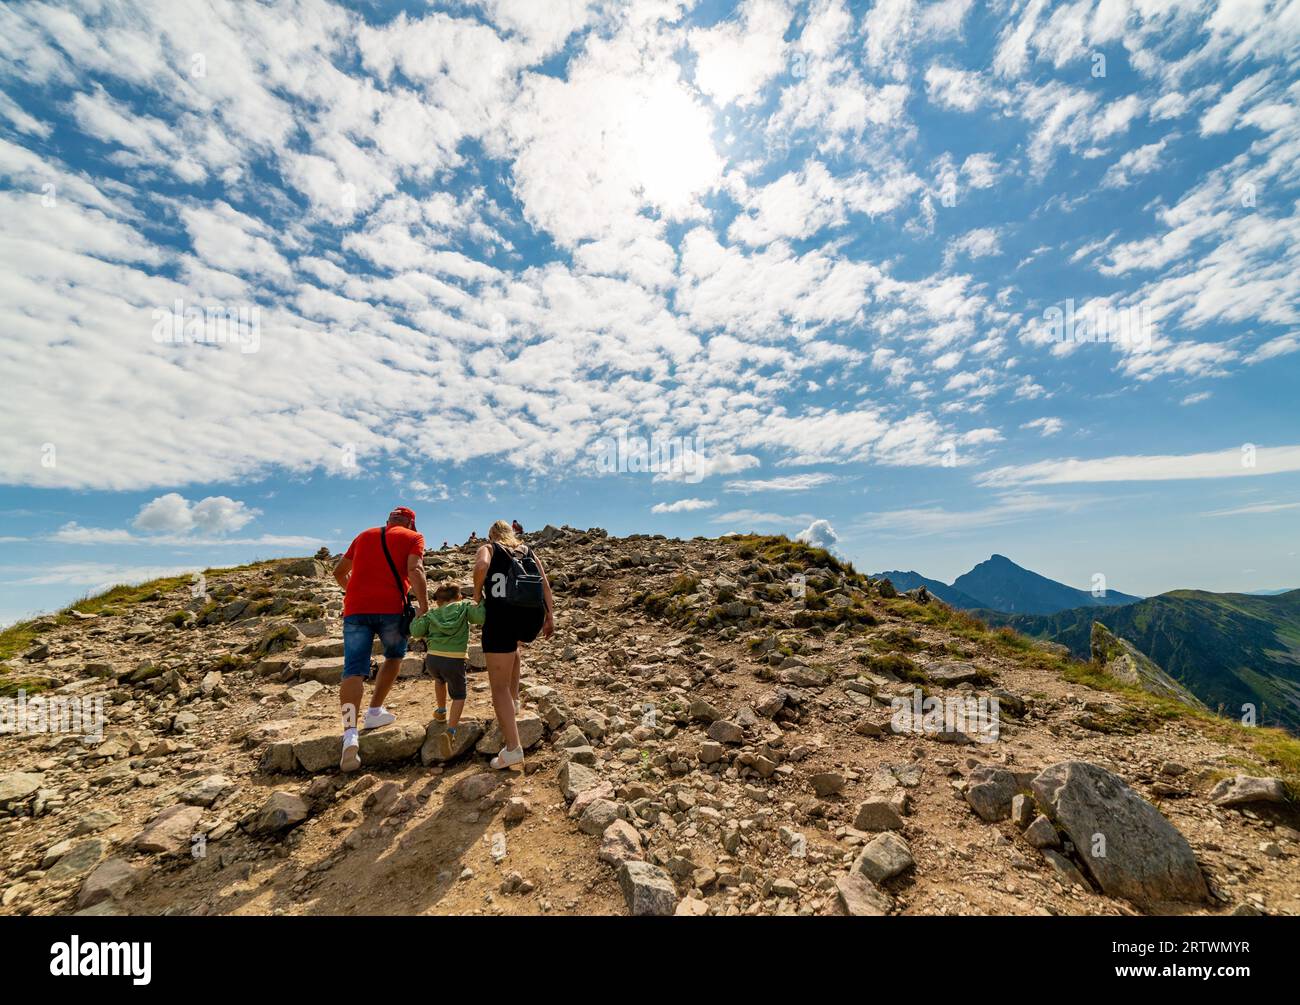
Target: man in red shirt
x=372 y=605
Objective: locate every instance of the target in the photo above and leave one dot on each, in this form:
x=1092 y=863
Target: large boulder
x=726 y=731
x=619 y=843
x=170 y=832
x=322 y=670
x=281 y=812
x=1124 y=842
x=883 y=858
x=858 y=897
x=544 y=536
x=598 y=815
x=1246 y=789
x=950 y=673
x=576 y=778
x=467 y=734
x=647 y=889
x=475 y=786
x=531 y=729
x=205 y=791
x=877 y=813
x=113 y=880
x=389 y=745
x=990 y=789
x=324 y=649
x=17 y=786
x=308 y=567
x=78 y=860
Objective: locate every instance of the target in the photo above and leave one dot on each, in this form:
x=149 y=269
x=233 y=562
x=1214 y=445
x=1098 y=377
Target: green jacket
x=445 y=629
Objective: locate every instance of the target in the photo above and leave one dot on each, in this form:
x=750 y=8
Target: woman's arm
x=481 y=562
x=548 y=626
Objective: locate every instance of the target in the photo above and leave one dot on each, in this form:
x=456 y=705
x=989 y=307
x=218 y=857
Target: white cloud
x=736 y=58
x=173 y=513
x=168 y=513
x=1283 y=345
x=920 y=521
x=980 y=170
x=455 y=232
x=819 y=534
x=1138 y=161
x=789 y=483
x=746 y=519
x=1047 y=426
x=74 y=533
x=683 y=506
x=624 y=106
x=982 y=242
x=92 y=576
x=1226 y=113
x=1235 y=462
x=1255 y=509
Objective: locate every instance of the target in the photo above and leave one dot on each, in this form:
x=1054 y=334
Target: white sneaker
x=376 y=717
x=508 y=758
x=351 y=759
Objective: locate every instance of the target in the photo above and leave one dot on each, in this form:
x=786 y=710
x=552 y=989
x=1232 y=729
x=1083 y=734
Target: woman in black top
x=505 y=626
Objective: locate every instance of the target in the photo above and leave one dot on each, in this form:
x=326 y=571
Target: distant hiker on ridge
x=376 y=574
x=512 y=586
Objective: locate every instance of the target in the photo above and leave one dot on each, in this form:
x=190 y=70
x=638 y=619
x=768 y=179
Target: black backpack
x=523 y=579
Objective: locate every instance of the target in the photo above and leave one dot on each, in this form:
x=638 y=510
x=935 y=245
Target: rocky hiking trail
x=710 y=731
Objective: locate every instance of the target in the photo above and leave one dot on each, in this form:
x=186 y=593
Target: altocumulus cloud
x=783 y=230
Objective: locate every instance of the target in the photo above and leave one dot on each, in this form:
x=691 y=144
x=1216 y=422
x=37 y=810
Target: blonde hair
x=503 y=534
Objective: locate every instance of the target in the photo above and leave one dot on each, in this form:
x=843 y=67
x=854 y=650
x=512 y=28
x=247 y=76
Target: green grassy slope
x=1229 y=649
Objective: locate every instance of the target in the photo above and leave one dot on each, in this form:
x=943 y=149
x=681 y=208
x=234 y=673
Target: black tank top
x=494 y=585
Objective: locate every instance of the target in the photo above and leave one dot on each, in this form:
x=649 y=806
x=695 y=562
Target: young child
x=445 y=629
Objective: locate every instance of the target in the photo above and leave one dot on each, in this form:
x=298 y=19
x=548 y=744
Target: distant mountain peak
x=999 y=584
x=1005 y=586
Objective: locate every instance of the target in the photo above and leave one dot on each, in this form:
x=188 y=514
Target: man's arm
x=481 y=562
x=343 y=569
x=415 y=572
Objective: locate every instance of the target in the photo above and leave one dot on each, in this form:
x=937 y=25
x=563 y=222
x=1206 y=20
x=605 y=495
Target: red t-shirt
x=371 y=589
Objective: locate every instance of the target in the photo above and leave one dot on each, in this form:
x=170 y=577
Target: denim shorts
x=359 y=631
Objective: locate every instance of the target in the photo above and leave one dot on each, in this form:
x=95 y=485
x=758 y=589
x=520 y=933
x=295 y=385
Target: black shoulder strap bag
x=408 y=608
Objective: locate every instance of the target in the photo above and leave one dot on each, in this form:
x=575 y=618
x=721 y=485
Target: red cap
x=405 y=512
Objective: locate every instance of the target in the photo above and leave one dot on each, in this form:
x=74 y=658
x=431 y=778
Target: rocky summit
x=734 y=726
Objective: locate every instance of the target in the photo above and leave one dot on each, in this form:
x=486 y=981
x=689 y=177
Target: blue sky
x=269 y=270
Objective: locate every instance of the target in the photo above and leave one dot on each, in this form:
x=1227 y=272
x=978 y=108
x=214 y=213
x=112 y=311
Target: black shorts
x=450 y=670
x=505 y=627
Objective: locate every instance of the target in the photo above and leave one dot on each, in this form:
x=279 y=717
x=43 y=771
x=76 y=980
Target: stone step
x=329 y=669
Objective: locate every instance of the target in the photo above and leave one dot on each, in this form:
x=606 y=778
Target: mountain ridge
x=999 y=584
x=904 y=581
x=702 y=738
x=1232 y=650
